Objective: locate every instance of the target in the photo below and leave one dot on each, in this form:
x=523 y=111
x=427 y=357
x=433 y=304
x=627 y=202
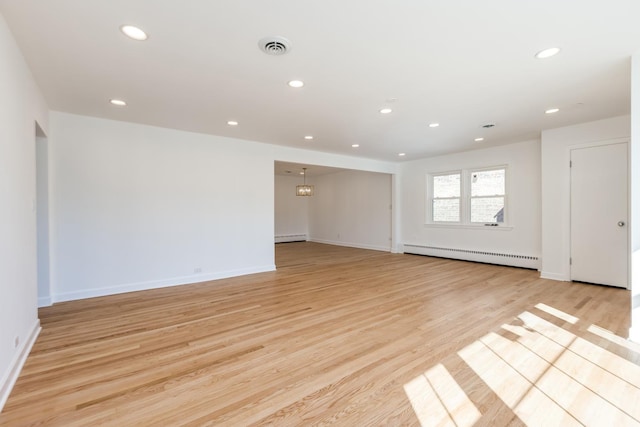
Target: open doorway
x=348 y=208
x=42 y=216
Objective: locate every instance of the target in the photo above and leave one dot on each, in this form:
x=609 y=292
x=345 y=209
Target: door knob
x=620 y=223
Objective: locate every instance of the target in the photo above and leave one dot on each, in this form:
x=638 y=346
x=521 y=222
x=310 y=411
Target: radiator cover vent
x=515 y=260
x=285 y=238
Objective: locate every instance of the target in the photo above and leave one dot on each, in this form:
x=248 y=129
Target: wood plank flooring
x=338 y=336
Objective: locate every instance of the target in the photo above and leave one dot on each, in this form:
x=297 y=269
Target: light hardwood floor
x=338 y=336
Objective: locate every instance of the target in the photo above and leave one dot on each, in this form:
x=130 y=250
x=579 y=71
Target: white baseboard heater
x=514 y=260
x=291 y=238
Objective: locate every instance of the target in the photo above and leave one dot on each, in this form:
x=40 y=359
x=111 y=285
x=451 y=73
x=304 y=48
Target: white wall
x=523 y=203
x=138 y=207
x=291 y=211
x=556 y=187
x=21 y=105
x=634 y=218
x=352 y=208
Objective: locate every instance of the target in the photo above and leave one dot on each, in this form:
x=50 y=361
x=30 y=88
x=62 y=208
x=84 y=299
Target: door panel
x=599 y=251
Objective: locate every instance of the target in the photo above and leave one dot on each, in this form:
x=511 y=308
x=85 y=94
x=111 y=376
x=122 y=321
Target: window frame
x=465 y=199
x=431 y=191
x=504 y=195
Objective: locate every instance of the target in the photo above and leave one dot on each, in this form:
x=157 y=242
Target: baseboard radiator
x=291 y=238
x=514 y=260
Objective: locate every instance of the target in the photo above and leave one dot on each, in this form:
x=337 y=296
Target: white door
x=599 y=251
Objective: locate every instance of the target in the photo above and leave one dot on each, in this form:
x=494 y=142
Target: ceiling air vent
x=488 y=125
x=274 y=45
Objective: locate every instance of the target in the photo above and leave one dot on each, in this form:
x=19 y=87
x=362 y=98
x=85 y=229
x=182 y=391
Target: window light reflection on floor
x=437 y=399
x=545 y=374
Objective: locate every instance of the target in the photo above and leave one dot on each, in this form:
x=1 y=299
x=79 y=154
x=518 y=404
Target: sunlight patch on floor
x=438 y=400
x=558 y=313
x=545 y=374
x=610 y=336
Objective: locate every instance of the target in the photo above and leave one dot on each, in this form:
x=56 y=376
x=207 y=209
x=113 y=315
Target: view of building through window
x=487 y=196
x=446 y=198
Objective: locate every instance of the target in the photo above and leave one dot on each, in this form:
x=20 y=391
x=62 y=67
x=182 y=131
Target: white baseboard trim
x=9 y=380
x=155 y=284
x=554 y=276
x=44 y=302
x=352 y=245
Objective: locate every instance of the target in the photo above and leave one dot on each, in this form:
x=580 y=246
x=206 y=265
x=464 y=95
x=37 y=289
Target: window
x=446 y=198
x=487 y=196
x=468 y=197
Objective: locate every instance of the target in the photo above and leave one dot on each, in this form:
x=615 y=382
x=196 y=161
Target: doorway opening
x=42 y=217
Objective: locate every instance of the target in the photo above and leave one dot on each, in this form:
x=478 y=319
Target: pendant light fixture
x=304 y=189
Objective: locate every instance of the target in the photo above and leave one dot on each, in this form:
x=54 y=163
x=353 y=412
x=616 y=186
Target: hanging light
x=304 y=189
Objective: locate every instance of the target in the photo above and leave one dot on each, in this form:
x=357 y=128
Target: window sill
x=470 y=227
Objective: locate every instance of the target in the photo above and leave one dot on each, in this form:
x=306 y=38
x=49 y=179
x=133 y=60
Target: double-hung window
x=468 y=197
x=487 y=196
x=445 y=203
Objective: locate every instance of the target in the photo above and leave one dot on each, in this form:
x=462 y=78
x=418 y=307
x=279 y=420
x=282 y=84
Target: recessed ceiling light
x=308 y=137
x=552 y=110
x=479 y=139
x=232 y=123
x=548 y=53
x=118 y=102
x=386 y=111
x=296 y=83
x=434 y=125
x=302 y=173
x=355 y=145
x=402 y=154
x=134 y=32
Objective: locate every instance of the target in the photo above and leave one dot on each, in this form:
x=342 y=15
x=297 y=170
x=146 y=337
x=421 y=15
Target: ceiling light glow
x=548 y=53
x=434 y=125
x=308 y=137
x=402 y=154
x=118 y=102
x=386 y=111
x=232 y=123
x=355 y=145
x=134 y=32
x=479 y=139
x=296 y=83
x=552 y=110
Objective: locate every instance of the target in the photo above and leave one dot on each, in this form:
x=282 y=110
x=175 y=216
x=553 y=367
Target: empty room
x=354 y=213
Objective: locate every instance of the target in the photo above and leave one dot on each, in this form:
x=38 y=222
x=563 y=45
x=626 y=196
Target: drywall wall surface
x=634 y=218
x=352 y=208
x=137 y=207
x=291 y=211
x=21 y=106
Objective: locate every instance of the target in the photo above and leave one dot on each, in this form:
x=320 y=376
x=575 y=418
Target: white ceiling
x=460 y=63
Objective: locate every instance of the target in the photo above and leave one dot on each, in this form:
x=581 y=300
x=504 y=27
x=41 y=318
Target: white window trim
x=429 y=203
x=465 y=201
